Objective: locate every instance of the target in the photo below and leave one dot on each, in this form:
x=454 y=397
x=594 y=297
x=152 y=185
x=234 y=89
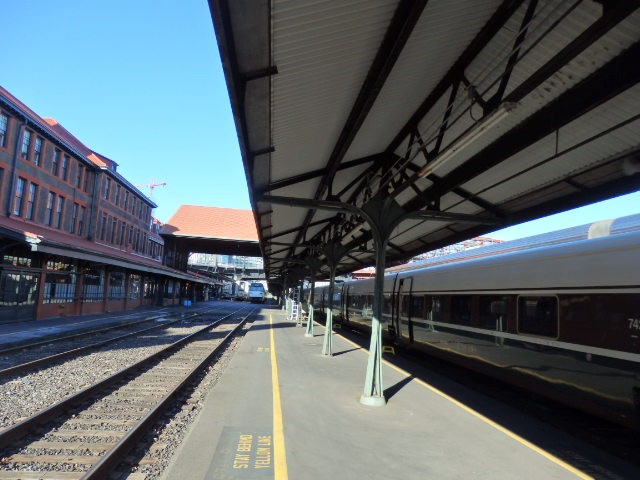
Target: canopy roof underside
x=478 y=114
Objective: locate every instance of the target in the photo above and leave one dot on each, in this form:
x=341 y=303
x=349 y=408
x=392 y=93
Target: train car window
x=461 y=309
x=538 y=316
x=386 y=304
x=435 y=310
x=417 y=306
x=405 y=306
x=490 y=309
x=336 y=299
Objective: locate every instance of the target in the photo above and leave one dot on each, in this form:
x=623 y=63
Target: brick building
x=75 y=236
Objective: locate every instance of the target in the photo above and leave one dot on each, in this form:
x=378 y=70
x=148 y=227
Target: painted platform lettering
x=242 y=454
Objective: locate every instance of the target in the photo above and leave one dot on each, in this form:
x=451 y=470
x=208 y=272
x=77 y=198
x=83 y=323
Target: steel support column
x=313 y=264
x=333 y=251
x=383 y=215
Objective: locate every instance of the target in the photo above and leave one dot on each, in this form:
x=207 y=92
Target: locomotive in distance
x=561 y=320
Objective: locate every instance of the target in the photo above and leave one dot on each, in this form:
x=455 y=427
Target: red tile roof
x=57 y=130
x=50 y=124
x=212 y=222
x=66 y=136
x=6 y=93
x=69 y=138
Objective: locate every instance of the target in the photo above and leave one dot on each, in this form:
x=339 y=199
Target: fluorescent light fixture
x=469 y=137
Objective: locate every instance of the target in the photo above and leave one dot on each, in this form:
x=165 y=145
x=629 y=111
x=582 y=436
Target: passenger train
x=562 y=320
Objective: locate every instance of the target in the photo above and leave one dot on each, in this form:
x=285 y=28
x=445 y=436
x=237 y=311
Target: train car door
x=402 y=308
x=345 y=303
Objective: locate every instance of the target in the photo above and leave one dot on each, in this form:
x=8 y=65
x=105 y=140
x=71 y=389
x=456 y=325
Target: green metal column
x=327 y=344
x=333 y=251
x=373 y=393
x=384 y=214
x=313 y=265
x=309 y=331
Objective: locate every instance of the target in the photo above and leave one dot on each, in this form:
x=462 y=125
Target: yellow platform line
x=279 y=454
x=497 y=426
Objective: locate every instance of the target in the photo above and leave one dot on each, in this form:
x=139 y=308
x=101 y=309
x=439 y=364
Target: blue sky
x=141 y=83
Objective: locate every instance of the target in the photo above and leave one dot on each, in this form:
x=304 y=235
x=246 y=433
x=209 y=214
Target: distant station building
x=218 y=242
x=76 y=237
x=234 y=266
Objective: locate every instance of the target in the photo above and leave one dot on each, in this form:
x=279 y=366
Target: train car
x=563 y=320
x=257 y=293
x=228 y=291
x=242 y=291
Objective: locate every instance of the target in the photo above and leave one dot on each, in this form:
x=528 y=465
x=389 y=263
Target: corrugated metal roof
x=357 y=79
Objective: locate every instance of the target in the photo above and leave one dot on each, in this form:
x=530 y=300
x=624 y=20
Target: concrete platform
x=300 y=418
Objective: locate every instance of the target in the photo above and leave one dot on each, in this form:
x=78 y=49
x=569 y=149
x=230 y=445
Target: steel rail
x=84 y=333
x=26 y=426
x=116 y=454
x=22 y=367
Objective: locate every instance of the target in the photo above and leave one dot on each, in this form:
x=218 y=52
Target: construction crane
x=152 y=185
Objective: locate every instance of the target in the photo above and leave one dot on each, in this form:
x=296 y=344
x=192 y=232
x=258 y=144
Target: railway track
x=21 y=347
x=18 y=359
x=87 y=435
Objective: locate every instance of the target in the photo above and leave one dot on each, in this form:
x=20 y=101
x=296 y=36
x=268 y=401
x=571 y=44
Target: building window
x=55 y=162
x=74 y=217
x=26 y=144
x=116 y=286
x=135 y=284
x=17 y=201
x=118 y=188
x=103 y=227
x=48 y=213
x=37 y=152
x=65 y=167
x=60 y=282
x=136 y=244
x=93 y=288
x=4 y=125
x=81 y=220
x=59 y=208
x=87 y=181
x=126 y=199
x=107 y=188
x=31 y=200
x=79 y=175
x=122 y=230
x=114 y=231
x=18 y=288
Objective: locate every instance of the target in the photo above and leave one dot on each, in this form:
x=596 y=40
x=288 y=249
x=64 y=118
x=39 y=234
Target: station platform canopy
x=442 y=120
x=222 y=231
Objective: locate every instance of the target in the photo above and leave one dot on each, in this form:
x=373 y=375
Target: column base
x=308 y=334
x=373 y=401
